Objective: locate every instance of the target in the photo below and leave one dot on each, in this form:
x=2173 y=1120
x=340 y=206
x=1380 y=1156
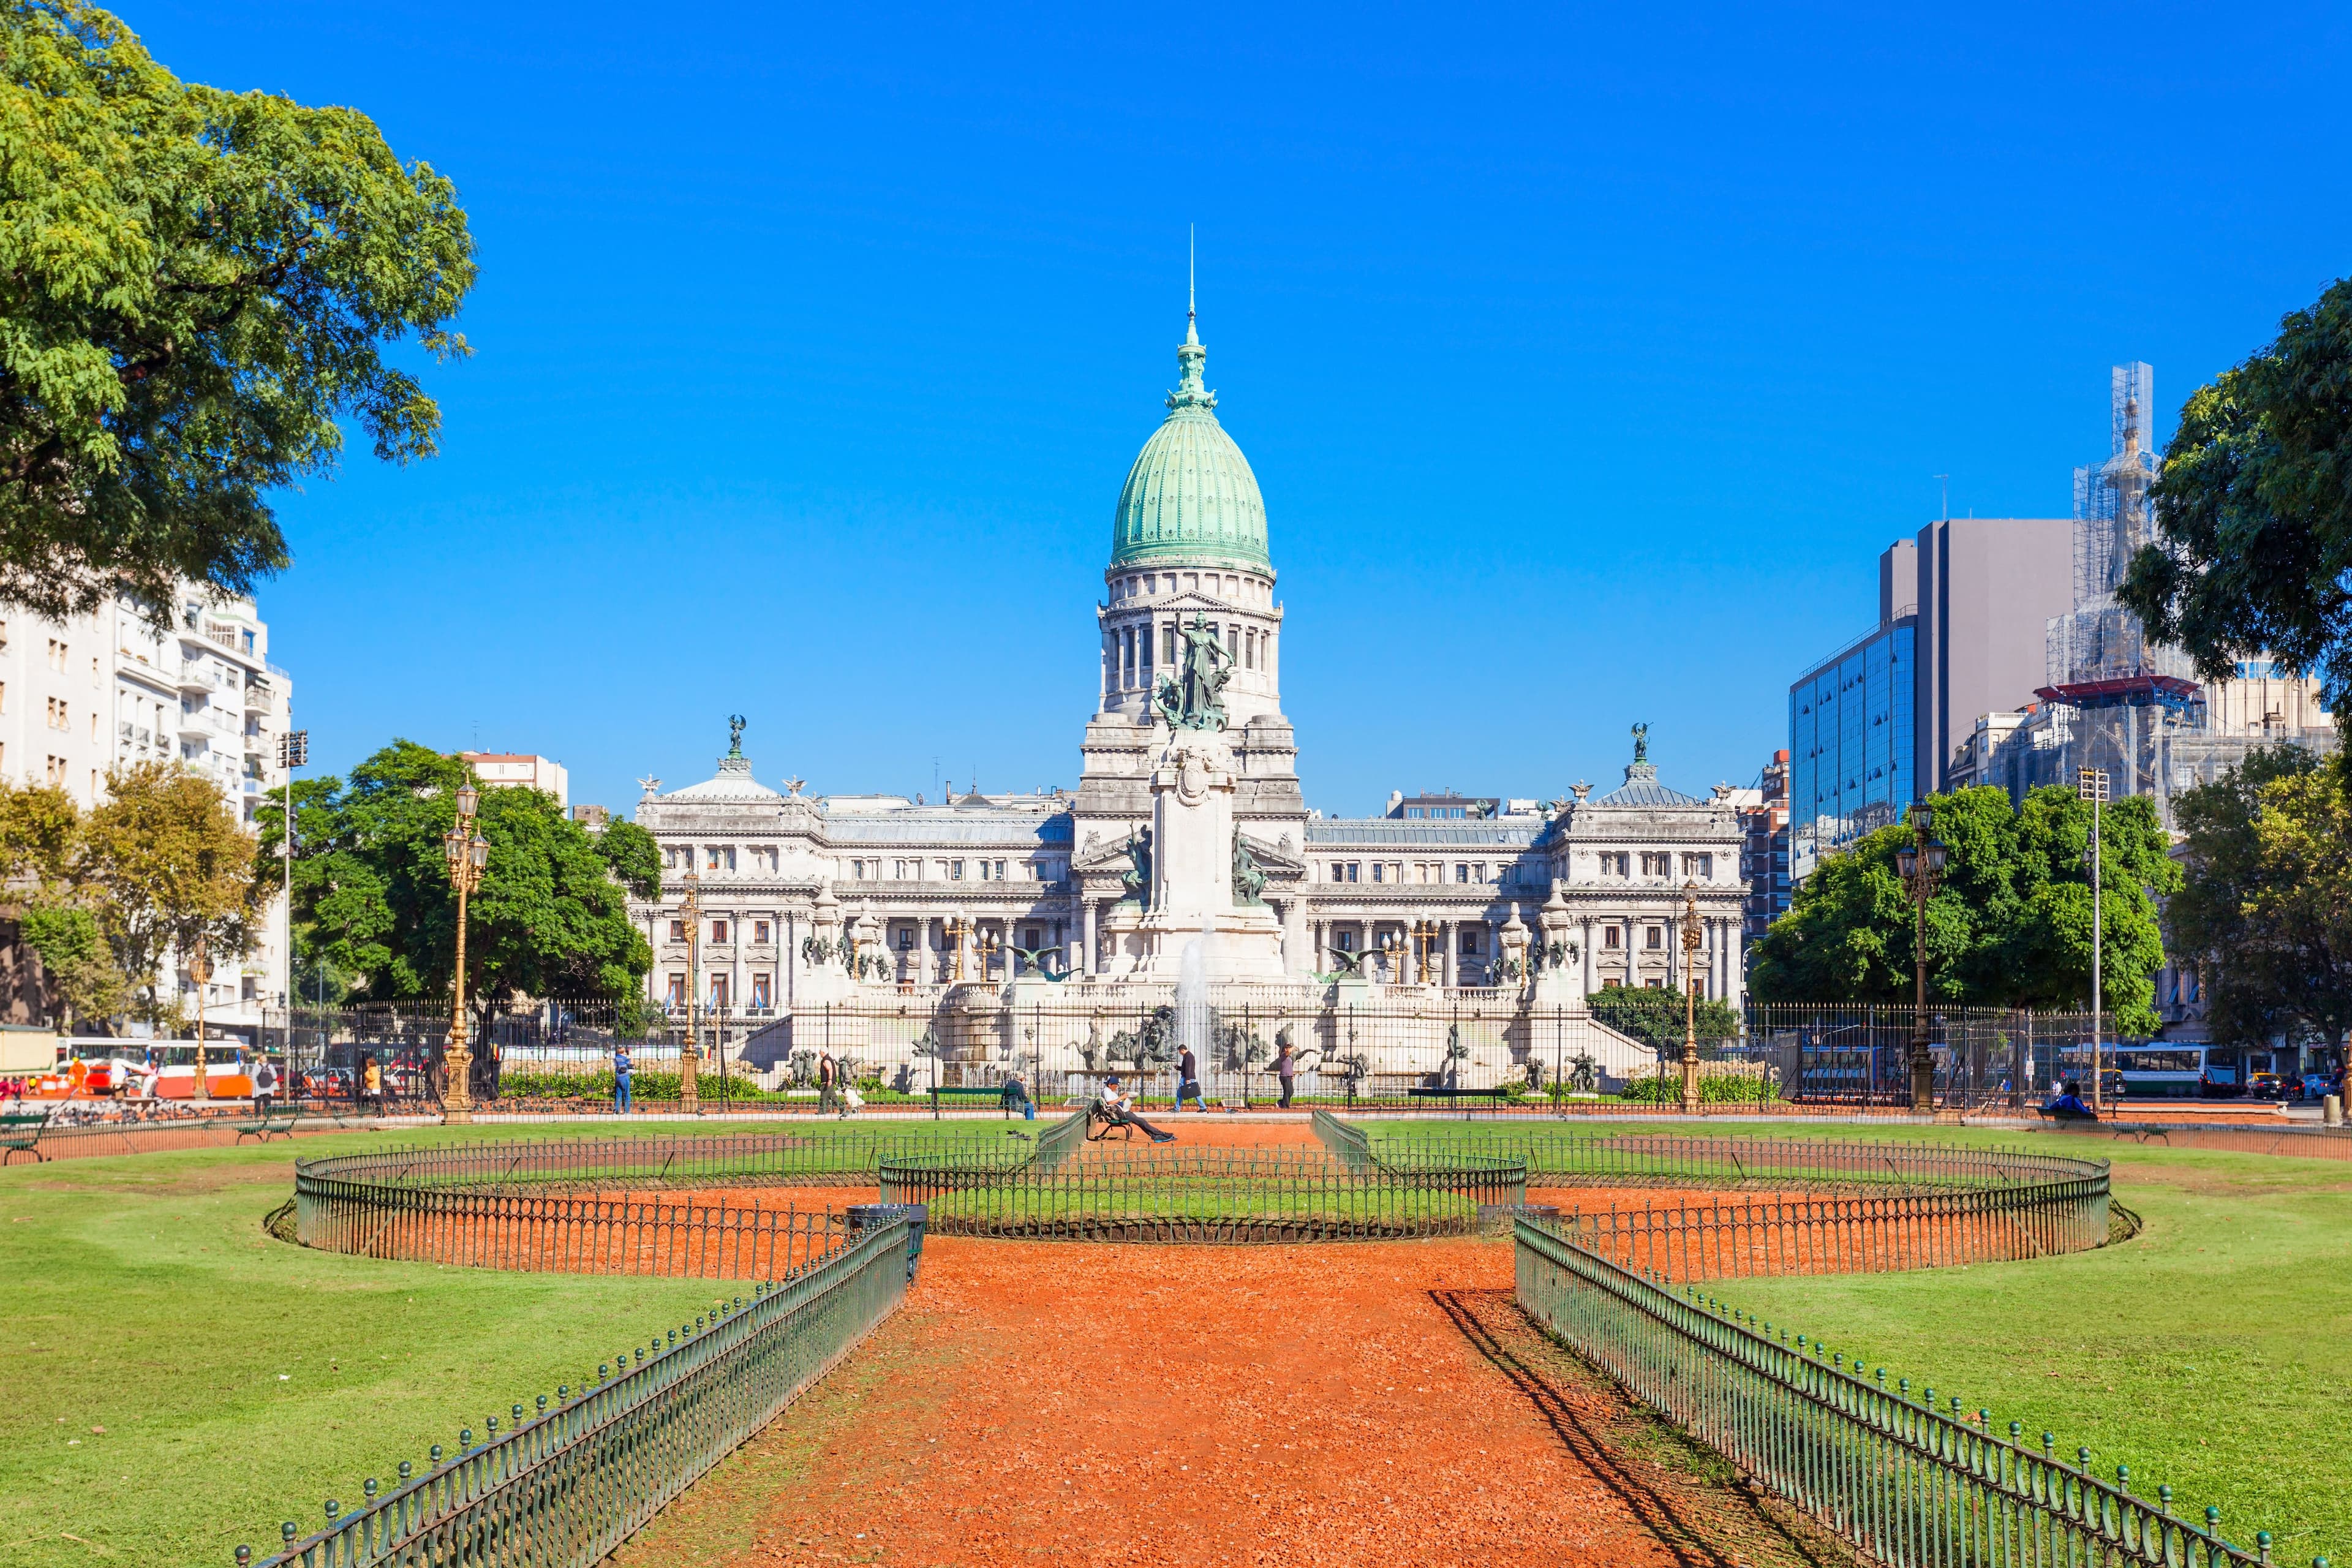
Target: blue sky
x=1587 y=358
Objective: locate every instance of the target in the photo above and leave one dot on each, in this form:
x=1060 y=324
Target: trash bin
x=865 y=1217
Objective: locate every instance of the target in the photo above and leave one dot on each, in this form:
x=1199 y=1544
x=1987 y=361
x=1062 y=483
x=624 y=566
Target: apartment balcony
x=260 y=695
x=195 y=675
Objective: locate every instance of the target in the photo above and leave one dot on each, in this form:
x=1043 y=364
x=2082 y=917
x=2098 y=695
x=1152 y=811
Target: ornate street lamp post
x=1921 y=862
x=467 y=853
x=1692 y=939
x=689 y=1055
x=200 y=970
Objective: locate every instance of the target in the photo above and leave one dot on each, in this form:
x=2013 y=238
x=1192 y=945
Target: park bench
x=22 y=1130
x=1498 y=1096
x=277 y=1124
x=1001 y=1093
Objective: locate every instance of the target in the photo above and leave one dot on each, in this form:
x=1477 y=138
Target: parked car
x=326 y=1083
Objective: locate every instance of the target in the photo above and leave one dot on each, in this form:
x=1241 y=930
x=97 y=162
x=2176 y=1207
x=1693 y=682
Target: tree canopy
x=1655 y=1016
x=193 y=287
x=2265 y=913
x=2253 y=511
x=2010 y=924
x=171 y=868
x=372 y=885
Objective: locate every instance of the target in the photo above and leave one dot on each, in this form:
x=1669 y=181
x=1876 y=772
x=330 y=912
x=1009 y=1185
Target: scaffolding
x=2096 y=653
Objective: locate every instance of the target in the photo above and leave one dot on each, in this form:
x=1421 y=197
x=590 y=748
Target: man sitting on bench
x=2069 y=1106
x=1121 y=1107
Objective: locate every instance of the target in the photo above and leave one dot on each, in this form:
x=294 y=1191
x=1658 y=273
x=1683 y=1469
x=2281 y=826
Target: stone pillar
x=1449 y=962
x=1089 y=961
x=1584 y=958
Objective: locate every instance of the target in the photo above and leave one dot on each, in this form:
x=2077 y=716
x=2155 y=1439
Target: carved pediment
x=1277 y=860
x=1104 y=856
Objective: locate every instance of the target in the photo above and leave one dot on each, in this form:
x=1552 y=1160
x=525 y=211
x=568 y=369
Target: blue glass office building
x=1852 y=724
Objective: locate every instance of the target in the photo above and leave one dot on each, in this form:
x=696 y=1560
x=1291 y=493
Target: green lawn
x=239 y=1381
x=2208 y=1354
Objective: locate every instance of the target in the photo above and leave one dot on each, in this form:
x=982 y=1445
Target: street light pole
x=293 y=751
x=2090 y=784
x=468 y=852
x=200 y=970
x=690 y=1056
x=1920 y=862
x=1691 y=941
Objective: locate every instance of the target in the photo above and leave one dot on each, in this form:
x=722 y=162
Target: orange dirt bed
x=1332 y=1404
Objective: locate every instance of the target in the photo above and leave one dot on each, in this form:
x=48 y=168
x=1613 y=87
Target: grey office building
x=1962 y=615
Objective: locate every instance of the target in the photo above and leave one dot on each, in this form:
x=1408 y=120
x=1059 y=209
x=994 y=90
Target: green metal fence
x=1568 y=1157
x=1904 y=1481
x=1202 y=1195
x=572 y=1480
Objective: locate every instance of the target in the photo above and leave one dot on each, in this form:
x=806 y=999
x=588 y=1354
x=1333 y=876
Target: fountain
x=1193 y=1011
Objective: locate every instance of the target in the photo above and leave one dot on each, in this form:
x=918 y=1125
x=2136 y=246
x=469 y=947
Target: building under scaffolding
x=2116 y=701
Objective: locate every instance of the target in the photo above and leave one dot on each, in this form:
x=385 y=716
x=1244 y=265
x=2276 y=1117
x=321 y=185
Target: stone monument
x=1194 y=877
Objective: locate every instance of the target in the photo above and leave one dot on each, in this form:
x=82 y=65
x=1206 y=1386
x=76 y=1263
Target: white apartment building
x=112 y=688
x=514 y=770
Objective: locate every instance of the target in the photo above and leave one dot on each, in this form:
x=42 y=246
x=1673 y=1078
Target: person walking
x=265 y=1087
x=371 y=1086
x=1286 y=1071
x=1188 y=1082
x=828 y=1086
x=622 y=1068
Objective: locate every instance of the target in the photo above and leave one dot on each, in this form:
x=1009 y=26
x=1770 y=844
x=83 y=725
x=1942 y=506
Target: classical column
x=1449 y=969
x=1087 y=960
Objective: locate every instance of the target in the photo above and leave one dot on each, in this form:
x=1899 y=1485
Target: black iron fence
x=1899 y=1477
x=1407 y=1047
x=575 y=1476
x=1079 y=1192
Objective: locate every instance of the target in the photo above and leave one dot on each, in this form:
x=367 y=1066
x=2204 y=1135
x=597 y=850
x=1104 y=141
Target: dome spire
x=1191 y=393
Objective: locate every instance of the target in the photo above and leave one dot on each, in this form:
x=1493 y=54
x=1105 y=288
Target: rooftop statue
x=1191 y=699
x=1249 y=881
x=1641 y=742
x=1137 y=879
x=735 y=734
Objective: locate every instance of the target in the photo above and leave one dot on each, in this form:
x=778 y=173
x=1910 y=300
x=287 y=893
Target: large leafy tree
x=2266 y=909
x=195 y=288
x=2010 y=924
x=41 y=840
x=172 y=869
x=2253 y=510
x=1656 y=1016
x=371 y=886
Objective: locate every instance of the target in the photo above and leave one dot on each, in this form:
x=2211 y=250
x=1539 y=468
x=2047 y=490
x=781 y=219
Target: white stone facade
x=982 y=888
x=112 y=688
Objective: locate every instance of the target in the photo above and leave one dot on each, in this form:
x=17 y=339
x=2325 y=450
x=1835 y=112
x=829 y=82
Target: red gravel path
x=1375 y=1404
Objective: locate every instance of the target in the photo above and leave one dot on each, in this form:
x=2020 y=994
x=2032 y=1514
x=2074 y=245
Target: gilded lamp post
x=200 y=970
x=1692 y=941
x=1920 y=862
x=690 y=1056
x=467 y=853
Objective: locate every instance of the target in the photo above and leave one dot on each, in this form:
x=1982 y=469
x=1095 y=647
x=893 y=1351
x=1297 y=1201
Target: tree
x=41 y=832
x=2010 y=923
x=193 y=287
x=372 y=885
x=1655 y=1016
x=80 y=971
x=2253 y=511
x=172 y=868
x=2266 y=909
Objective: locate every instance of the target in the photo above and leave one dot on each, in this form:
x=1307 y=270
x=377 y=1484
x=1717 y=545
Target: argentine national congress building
x=799 y=896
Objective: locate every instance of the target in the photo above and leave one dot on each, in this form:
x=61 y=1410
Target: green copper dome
x=1191 y=495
